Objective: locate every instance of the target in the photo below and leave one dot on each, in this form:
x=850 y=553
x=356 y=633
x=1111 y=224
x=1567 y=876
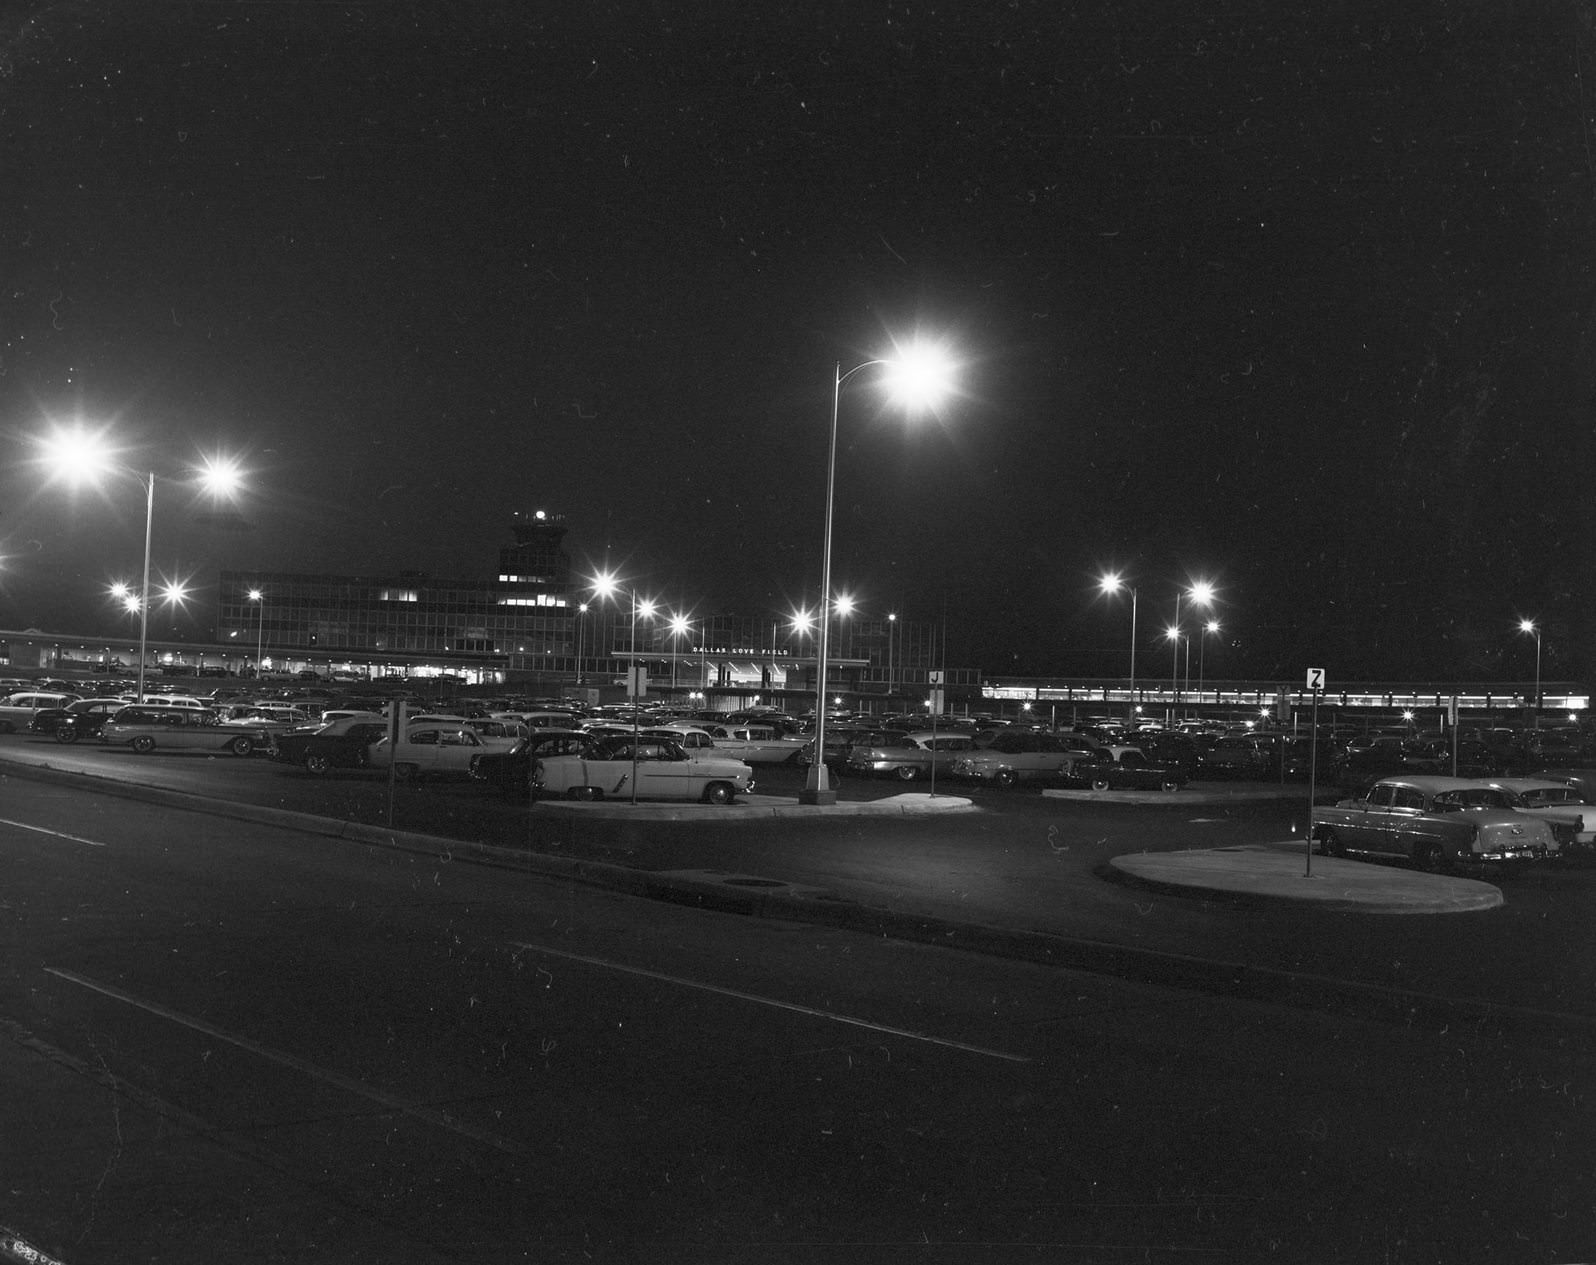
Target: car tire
x=1170 y=784
x=719 y=793
x=410 y=774
x=908 y=773
x=143 y=744
x=316 y=763
x=1005 y=778
x=241 y=746
x=1431 y=858
x=66 y=734
x=1330 y=843
x=1100 y=784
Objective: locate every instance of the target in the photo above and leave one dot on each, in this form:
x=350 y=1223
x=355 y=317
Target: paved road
x=221 y=1040
x=1024 y=863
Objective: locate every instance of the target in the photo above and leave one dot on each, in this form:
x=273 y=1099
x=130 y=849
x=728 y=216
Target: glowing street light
x=916 y=376
x=259 y=596
x=1529 y=626
x=78 y=456
x=1212 y=626
x=1200 y=593
x=1110 y=584
x=680 y=627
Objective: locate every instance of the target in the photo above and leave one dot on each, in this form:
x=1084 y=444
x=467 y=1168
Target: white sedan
x=661 y=767
x=430 y=751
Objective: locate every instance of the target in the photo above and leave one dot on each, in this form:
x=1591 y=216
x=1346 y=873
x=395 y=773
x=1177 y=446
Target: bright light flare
x=920 y=375
x=646 y=609
x=1526 y=625
x=802 y=621
x=1202 y=593
x=605 y=585
x=1113 y=582
x=680 y=625
x=221 y=476
x=77 y=455
x=843 y=604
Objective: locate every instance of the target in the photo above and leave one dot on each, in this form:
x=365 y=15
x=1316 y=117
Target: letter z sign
x=1316 y=680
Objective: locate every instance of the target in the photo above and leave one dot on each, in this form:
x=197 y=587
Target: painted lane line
x=779 y=1005
x=55 y=834
x=426 y=1115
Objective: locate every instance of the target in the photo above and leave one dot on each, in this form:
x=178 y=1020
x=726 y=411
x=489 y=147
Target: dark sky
x=1298 y=304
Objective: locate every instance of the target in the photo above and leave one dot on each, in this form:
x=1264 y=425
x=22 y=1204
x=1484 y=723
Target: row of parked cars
x=1441 y=823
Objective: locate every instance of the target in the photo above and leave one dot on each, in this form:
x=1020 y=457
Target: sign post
x=1315 y=686
x=935 y=679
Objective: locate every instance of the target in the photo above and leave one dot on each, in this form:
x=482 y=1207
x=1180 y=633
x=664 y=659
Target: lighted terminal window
x=399 y=595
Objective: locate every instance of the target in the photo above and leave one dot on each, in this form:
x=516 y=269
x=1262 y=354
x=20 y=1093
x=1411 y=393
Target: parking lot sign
x=1316 y=680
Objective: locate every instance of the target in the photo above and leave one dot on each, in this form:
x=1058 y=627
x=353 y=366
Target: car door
x=1401 y=828
x=664 y=771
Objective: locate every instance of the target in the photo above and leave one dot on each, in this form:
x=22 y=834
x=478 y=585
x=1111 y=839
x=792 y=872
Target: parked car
x=1573 y=821
x=1430 y=821
x=908 y=756
x=271 y=717
x=1015 y=755
x=663 y=770
x=429 y=751
x=510 y=772
x=76 y=720
x=1582 y=780
x=1242 y=757
x=147 y=729
x=1121 y=768
x=754 y=742
x=697 y=742
x=1179 y=751
x=342 y=743
x=18 y=710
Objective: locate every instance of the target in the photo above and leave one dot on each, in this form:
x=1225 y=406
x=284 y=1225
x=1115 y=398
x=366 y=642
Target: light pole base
x=817 y=795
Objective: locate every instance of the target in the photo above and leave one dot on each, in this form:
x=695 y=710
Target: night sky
x=1300 y=305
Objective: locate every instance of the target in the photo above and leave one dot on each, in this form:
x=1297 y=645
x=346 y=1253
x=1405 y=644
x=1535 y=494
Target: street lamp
x=259 y=596
x=1111 y=584
x=1200 y=593
x=1212 y=626
x=918 y=377
x=1529 y=626
x=79 y=456
x=679 y=625
x=892 y=630
x=581 y=627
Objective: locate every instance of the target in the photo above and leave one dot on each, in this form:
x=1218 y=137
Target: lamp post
x=892 y=634
x=1212 y=626
x=1200 y=594
x=1110 y=584
x=581 y=636
x=918 y=375
x=1529 y=626
x=259 y=596
x=679 y=626
x=78 y=456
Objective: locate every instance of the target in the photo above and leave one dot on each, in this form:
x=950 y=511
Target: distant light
x=1202 y=593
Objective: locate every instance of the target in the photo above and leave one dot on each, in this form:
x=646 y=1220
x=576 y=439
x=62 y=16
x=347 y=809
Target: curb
x=756 y=808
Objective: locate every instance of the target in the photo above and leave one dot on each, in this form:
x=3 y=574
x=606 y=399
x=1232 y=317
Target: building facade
x=526 y=623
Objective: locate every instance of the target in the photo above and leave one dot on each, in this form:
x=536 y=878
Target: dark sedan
x=1125 y=769
x=510 y=772
x=76 y=721
x=339 y=744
